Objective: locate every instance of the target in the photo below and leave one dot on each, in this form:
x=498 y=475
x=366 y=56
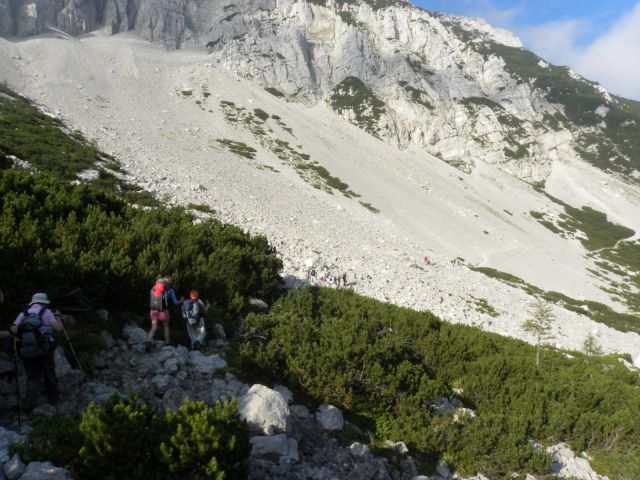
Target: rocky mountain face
x=452 y=86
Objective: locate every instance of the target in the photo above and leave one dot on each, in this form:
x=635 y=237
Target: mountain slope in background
x=453 y=125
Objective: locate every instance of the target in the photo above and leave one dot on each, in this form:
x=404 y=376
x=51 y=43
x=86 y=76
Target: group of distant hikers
x=325 y=277
x=30 y=337
x=161 y=298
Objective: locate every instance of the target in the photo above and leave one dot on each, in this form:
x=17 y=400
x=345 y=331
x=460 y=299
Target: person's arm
x=9 y=333
x=48 y=318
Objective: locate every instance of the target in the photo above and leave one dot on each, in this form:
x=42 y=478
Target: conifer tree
x=591 y=345
x=540 y=325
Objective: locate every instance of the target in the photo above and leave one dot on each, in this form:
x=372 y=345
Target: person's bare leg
x=152 y=332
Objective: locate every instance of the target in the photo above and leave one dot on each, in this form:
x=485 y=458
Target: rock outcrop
x=453 y=86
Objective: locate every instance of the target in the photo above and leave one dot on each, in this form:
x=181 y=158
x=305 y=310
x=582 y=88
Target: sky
x=599 y=39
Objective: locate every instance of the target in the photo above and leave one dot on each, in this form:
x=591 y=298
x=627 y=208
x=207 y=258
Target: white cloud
x=555 y=41
x=612 y=59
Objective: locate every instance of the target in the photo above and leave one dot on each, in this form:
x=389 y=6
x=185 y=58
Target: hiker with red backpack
x=33 y=336
x=161 y=298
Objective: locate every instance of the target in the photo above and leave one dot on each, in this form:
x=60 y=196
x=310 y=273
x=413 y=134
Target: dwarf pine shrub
x=386 y=366
x=128 y=439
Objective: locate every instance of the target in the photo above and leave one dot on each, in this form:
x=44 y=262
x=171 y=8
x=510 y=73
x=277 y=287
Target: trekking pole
x=72 y=349
x=15 y=358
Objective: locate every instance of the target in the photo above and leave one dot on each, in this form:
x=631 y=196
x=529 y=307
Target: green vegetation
x=386 y=365
x=56 y=236
x=604 y=240
x=309 y=170
x=239 y=148
x=540 y=325
x=591 y=346
x=598 y=312
x=418 y=96
x=275 y=92
x=369 y=207
x=47 y=146
x=351 y=95
x=128 y=439
x=609 y=141
x=483 y=306
x=201 y=207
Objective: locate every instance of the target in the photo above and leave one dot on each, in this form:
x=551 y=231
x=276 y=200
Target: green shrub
x=386 y=365
x=128 y=439
x=56 y=439
x=57 y=236
x=206 y=442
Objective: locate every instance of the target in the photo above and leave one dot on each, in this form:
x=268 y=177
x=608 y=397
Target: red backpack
x=159 y=298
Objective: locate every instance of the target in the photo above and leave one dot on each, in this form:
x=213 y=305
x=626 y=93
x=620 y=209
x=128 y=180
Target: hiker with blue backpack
x=193 y=312
x=33 y=336
x=162 y=296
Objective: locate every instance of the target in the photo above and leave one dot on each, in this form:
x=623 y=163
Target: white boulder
x=264 y=409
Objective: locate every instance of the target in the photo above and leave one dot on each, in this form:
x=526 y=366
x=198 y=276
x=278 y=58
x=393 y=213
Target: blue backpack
x=33 y=336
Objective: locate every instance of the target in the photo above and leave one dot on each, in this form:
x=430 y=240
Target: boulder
x=264 y=410
x=443 y=469
x=398 y=447
x=300 y=411
x=359 y=450
x=218 y=332
x=163 y=383
x=108 y=340
x=330 y=417
x=45 y=471
x=565 y=464
x=443 y=405
x=276 y=448
x=8 y=438
x=96 y=392
x=258 y=305
x=134 y=334
x=206 y=365
x=103 y=313
x=14 y=468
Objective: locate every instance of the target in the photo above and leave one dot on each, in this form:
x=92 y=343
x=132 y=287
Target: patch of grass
x=598 y=312
x=369 y=207
x=239 y=148
x=261 y=114
x=201 y=207
x=483 y=306
x=313 y=173
x=275 y=92
x=522 y=151
x=418 y=96
x=352 y=95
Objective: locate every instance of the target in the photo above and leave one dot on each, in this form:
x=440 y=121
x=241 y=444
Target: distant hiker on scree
x=32 y=332
x=193 y=312
x=161 y=298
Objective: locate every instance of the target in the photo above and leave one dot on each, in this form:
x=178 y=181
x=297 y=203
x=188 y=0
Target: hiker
x=193 y=312
x=161 y=298
x=344 y=279
x=32 y=331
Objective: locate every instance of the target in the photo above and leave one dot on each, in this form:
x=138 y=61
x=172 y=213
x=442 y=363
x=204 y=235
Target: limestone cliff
x=453 y=86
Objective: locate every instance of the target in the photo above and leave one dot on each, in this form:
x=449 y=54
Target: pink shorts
x=156 y=315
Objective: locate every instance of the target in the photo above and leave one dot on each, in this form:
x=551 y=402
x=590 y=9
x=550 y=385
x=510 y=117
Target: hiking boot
x=147 y=346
